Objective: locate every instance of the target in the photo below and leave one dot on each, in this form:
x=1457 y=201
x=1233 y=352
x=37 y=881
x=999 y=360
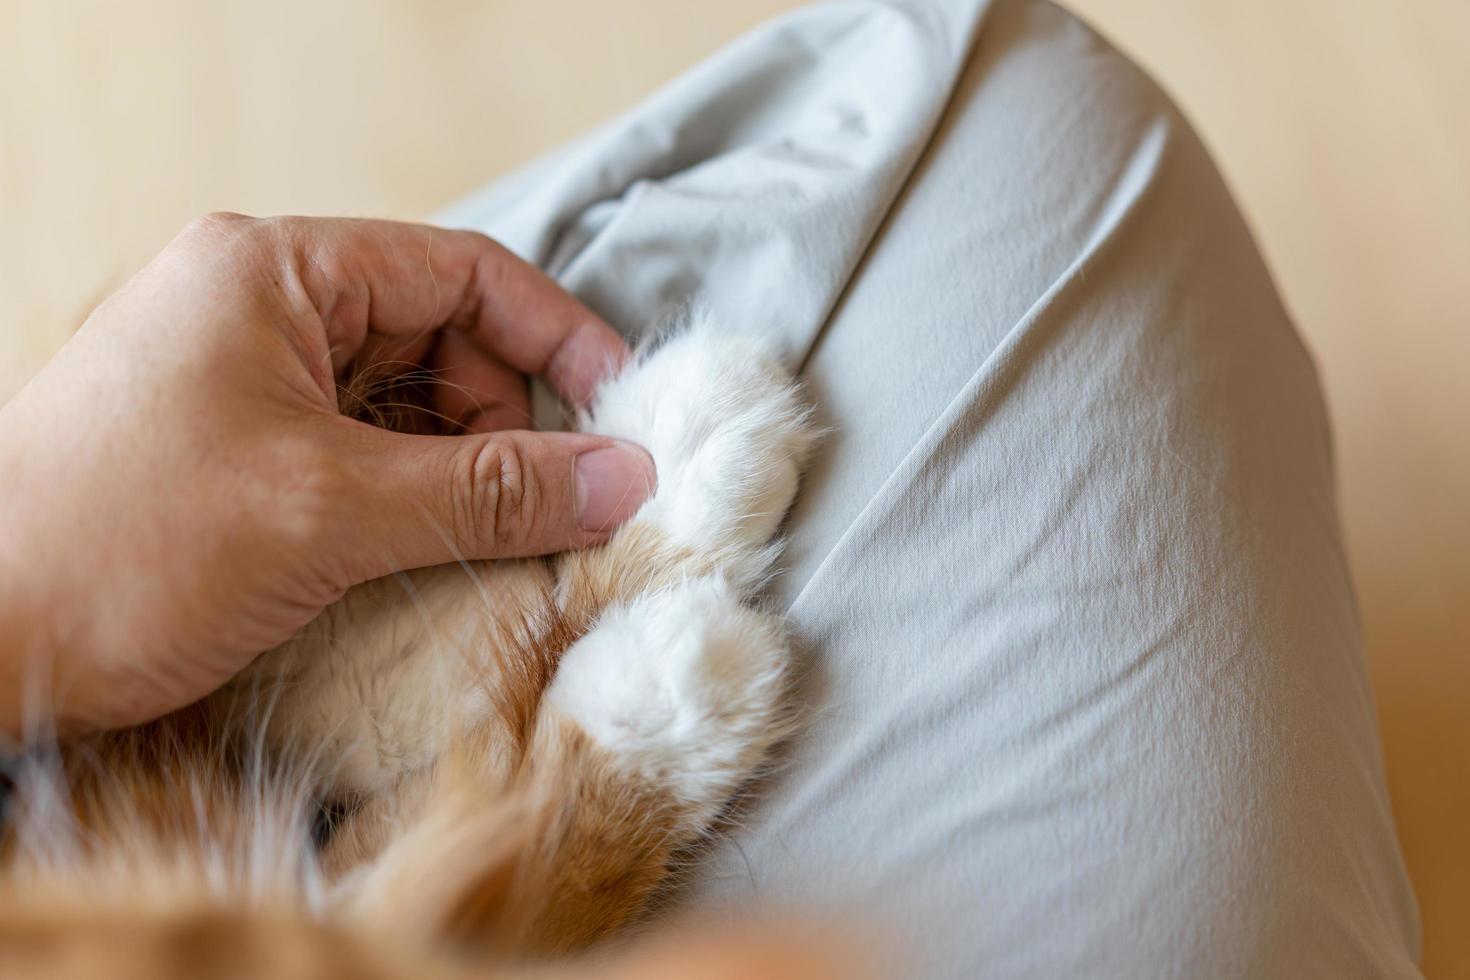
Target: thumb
x=426 y=500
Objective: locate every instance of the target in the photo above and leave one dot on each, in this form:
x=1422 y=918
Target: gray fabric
x=1085 y=676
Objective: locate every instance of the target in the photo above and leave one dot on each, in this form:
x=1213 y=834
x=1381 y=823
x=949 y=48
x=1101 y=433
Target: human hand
x=182 y=493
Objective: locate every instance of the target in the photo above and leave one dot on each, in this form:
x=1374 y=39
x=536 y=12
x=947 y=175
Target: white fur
x=728 y=434
x=682 y=686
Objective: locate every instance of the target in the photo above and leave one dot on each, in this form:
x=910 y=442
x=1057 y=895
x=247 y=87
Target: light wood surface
x=1343 y=125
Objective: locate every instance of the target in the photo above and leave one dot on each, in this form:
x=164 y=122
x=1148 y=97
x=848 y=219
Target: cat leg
x=654 y=721
x=683 y=689
x=729 y=435
x=669 y=699
x=674 y=697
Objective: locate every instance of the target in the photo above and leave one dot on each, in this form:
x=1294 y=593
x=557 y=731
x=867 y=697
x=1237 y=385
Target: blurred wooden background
x=1343 y=125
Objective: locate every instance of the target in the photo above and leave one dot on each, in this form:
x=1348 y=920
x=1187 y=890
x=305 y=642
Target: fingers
x=430 y=500
x=407 y=280
x=400 y=282
x=476 y=391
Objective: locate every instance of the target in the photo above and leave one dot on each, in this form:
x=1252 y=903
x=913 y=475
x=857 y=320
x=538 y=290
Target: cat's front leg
x=677 y=689
x=730 y=435
x=678 y=675
x=673 y=688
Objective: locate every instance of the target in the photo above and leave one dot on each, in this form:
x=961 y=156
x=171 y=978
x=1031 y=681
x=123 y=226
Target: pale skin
x=181 y=491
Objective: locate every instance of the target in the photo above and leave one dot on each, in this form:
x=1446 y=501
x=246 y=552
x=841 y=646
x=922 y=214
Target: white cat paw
x=683 y=687
x=729 y=435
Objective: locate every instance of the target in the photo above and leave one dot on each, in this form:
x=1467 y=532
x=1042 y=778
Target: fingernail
x=611 y=484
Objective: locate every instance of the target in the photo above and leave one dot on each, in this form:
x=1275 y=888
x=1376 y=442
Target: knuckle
x=218 y=233
x=285 y=226
x=482 y=240
x=503 y=495
x=216 y=222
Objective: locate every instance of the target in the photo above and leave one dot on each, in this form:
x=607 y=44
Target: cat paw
x=729 y=434
x=683 y=688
